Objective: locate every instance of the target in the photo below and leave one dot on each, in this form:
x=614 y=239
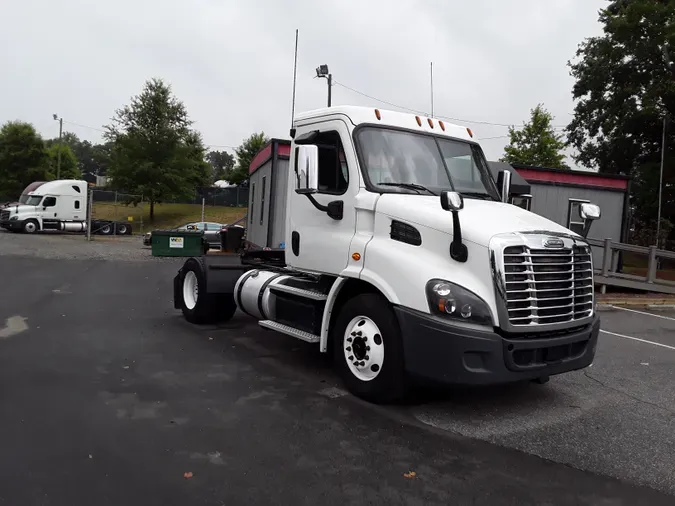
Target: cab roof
x=373 y=115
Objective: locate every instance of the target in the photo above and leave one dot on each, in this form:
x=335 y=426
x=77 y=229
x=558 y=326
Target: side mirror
x=452 y=201
x=504 y=184
x=306 y=169
x=589 y=211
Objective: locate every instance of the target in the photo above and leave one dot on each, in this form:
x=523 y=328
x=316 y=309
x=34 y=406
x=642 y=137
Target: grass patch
x=166 y=215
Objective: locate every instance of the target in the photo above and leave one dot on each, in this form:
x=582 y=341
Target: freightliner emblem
x=553 y=242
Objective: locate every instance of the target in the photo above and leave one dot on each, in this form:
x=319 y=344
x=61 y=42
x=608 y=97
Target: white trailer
x=403 y=258
x=60 y=206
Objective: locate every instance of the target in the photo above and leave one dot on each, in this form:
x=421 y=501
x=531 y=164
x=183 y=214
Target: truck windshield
x=399 y=161
x=33 y=200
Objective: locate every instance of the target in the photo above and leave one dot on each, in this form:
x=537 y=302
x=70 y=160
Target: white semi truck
x=59 y=205
x=402 y=257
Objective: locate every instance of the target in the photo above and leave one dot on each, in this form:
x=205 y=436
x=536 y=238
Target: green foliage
x=245 y=154
x=625 y=85
x=69 y=168
x=221 y=163
x=536 y=143
x=154 y=152
x=22 y=157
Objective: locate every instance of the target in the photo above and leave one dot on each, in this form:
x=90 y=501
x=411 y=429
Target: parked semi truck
x=401 y=256
x=57 y=205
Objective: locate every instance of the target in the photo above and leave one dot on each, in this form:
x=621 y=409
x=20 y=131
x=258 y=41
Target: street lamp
x=58 y=156
x=322 y=71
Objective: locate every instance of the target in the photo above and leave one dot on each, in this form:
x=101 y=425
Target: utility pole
x=663 y=158
x=58 y=156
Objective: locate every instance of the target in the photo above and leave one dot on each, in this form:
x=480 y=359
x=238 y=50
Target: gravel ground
x=72 y=246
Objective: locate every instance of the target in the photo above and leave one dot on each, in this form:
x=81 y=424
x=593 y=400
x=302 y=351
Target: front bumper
x=11 y=225
x=450 y=353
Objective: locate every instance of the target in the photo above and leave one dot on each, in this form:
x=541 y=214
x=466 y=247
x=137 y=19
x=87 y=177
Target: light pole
x=322 y=71
x=58 y=156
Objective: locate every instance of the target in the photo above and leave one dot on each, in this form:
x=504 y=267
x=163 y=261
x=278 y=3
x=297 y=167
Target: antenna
x=295 y=73
x=432 y=89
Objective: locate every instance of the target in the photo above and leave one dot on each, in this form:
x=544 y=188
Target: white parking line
x=638 y=339
x=644 y=313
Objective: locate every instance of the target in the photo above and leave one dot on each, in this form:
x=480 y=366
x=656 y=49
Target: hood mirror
x=589 y=213
x=454 y=202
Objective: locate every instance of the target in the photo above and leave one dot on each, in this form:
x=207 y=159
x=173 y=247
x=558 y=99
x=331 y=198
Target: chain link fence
x=117 y=214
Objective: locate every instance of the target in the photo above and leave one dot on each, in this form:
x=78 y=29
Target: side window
x=333 y=173
x=252 y=204
x=262 y=200
x=77 y=204
x=574 y=221
x=49 y=202
x=76 y=188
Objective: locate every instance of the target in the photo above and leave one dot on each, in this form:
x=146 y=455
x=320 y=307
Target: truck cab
x=404 y=258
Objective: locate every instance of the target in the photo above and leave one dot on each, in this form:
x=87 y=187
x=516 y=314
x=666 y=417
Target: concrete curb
x=613 y=305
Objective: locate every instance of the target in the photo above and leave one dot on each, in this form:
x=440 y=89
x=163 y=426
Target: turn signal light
x=356 y=256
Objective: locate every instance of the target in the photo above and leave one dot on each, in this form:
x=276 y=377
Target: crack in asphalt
x=630 y=396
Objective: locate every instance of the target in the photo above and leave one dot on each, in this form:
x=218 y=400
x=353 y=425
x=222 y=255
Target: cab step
x=291 y=331
x=300 y=292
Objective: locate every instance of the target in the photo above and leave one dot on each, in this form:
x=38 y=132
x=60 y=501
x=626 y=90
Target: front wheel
x=30 y=227
x=368 y=349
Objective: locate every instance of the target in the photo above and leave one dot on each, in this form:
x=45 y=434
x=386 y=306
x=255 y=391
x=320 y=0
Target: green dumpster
x=178 y=243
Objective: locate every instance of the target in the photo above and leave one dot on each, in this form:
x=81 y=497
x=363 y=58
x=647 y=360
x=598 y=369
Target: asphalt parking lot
x=109 y=397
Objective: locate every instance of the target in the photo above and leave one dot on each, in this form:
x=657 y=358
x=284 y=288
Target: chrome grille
x=548 y=286
x=4 y=216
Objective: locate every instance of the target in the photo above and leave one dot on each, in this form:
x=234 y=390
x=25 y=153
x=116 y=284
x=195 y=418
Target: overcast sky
x=231 y=62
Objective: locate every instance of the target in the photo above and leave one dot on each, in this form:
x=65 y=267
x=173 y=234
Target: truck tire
x=198 y=306
x=122 y=229
x=368 y=349
x=30 y=227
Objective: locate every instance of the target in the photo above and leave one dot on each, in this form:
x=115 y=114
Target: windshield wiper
x=410 y=186
x=478 y=195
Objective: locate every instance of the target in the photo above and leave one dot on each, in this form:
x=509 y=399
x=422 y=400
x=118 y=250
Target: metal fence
x=654 y=275
x=127 y=212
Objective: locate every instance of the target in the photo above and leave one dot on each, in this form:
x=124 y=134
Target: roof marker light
x=377 y=114
x=442 y=125
x=419 y=121
x=470 y=132
x=431 y=123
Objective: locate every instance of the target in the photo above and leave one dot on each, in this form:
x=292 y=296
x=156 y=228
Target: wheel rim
x=122 y=229
x=30 y=227
x=105 y=229
x=364 y=348
x=190 y=290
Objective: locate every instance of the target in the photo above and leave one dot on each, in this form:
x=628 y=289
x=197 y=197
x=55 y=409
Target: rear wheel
x=198 y=306
x=368 y=349
x=123 y=229
x=106 y=229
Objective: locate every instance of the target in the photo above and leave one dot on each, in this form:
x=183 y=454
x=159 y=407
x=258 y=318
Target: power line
x=460 y=120
x=84 y=126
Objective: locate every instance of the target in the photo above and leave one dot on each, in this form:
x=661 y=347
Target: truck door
x=48 y=209
x=314 y=241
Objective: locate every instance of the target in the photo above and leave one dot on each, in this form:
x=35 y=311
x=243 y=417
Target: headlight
x=452 y=301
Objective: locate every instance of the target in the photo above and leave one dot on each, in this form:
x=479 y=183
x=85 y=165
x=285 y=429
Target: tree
x=69 y=167
x=625 y=85
x=23 y=158
x=536 y=143
x=245 y=154
x=155 y=153
x=221 y=163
